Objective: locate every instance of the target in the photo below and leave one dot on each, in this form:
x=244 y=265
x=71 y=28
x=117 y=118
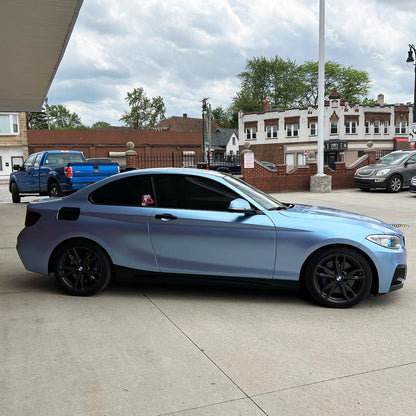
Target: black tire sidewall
x=58 y=190
x=105 y=264
x=15 y=193
x=316 y=259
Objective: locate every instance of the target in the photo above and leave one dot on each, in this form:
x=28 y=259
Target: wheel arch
x=375 y=280
x=52 y=257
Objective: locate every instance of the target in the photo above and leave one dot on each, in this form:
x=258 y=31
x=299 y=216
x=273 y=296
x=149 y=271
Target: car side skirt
x=125 y=273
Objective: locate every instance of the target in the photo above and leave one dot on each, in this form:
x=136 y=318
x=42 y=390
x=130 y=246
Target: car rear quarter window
x=192 y=192
x=131 y=191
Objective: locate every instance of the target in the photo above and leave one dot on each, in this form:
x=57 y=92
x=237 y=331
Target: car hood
x=375 y=167
x=336 y=218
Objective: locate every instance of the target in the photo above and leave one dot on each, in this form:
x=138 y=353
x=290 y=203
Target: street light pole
x=204 y=109
x=410 y=61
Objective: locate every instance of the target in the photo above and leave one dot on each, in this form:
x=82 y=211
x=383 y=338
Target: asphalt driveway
x=155 y=349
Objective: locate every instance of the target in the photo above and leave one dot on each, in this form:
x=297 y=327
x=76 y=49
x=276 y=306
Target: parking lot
x=156 y=349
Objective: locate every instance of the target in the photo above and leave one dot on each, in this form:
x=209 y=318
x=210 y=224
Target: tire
x=395 y=184
x=338 y=277
x=15 y=193
x=82 y=268
x=54 y=190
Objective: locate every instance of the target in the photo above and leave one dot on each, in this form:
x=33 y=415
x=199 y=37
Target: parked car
x=57 y=172
x=208 y=225
x=413 y=185
x=391 y=172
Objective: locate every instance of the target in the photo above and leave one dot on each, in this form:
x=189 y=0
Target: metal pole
x=414 y=97
x=321 y=88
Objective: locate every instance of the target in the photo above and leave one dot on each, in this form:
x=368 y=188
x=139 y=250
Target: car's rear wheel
x=394 y=184
x=15 y=193
x=338 y=277
x=82 y=268
x=54 y=190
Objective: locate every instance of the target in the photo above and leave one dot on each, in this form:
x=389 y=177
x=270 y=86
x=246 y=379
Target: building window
x=1 y=164
x=314 y=129
x=251 y=133
x=386 y=127
x=9 y=124
x=401 y=127
x=271 y=131
x=351 y=127
x=301 y=159
x=233 y=141
x=334 y=127
x=367 y=127
x=376 y=127
x=290 y=159
x=292 y=130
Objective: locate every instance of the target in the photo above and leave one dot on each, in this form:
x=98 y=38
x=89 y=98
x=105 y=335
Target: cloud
x=187 y=50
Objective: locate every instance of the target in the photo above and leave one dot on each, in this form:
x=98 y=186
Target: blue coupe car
x=204 y=224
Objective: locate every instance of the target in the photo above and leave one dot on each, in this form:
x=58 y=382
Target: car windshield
x=264 y=200
x=392 y=159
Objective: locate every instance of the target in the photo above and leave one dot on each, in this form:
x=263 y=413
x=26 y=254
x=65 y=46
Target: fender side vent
x=68 y=214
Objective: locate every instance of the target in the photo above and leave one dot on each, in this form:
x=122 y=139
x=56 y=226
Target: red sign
x=412 y=146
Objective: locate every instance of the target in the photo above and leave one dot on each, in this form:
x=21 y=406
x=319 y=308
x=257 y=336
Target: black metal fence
x=177 y=160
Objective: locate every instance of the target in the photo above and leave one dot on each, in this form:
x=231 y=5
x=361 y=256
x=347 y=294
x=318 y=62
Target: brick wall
x=299 y=179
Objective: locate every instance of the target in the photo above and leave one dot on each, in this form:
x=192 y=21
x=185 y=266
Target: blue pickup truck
x=56 y=173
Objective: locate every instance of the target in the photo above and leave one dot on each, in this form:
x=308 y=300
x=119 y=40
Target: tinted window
x=133 y=190
x=29 y=161
x=192 y=192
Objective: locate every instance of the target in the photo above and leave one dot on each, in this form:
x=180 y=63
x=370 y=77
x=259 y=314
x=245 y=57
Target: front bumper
x=369 y=183
x=398 y=278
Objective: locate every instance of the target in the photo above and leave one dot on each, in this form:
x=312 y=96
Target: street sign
x=305 y=153
x=249 y=160
x=412 y=132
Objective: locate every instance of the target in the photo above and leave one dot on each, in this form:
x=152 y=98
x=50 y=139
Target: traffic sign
x=412 y=132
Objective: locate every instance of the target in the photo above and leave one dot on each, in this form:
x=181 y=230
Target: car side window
x=37 y=160
x=131 y=191
x=413 y=158
x=29 y=161
x=192 y=192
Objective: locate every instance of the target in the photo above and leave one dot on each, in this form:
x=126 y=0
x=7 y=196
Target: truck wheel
x=15 y=193
x=54 y=190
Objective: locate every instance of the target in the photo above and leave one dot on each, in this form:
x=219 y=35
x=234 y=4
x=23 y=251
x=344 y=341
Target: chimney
x=265 y=106
x=185 y=115
x=380 y=99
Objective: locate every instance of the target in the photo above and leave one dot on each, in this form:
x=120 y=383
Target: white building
x=13 y=142
x=285 y=136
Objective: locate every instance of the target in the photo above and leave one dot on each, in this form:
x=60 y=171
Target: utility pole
x=204 y=109
x=209 y=136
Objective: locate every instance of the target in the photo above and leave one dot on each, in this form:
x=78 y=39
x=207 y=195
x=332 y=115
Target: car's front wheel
x=394 y=184
x=15 y=193
x=82 y=268
x=338 y=277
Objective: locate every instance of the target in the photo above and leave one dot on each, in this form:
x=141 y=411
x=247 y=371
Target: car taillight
x=118 y=169
x=32 y=218
x=68 y=172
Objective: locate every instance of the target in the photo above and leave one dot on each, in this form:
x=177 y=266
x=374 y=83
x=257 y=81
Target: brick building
x=283 y=136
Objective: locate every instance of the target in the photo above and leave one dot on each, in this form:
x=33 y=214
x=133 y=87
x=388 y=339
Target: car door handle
x=165 y=217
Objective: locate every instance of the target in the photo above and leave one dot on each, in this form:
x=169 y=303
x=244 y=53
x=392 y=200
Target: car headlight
x=385 y=240
x=383 y=172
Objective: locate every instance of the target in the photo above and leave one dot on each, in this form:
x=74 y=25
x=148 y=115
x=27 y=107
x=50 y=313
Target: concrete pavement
x=153 y=350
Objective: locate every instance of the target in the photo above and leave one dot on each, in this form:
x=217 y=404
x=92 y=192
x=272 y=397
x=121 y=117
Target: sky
x=186 y=50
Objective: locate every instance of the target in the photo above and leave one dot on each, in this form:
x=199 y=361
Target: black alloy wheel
x=395 y=184
x=338 y=277
x=82 y=268
x=54 y=190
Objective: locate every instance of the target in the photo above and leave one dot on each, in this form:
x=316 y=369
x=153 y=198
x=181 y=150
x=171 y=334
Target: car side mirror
x=241 y=206
x=409 y=162
x=18 y=167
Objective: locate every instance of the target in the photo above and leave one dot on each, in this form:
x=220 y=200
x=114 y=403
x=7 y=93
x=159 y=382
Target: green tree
x=100 y=125
x=54 y=117
x=61 y=118
x=286 y=84
x=144 y=112
x=353 y=85
x=222 y=117
x=37 y=121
